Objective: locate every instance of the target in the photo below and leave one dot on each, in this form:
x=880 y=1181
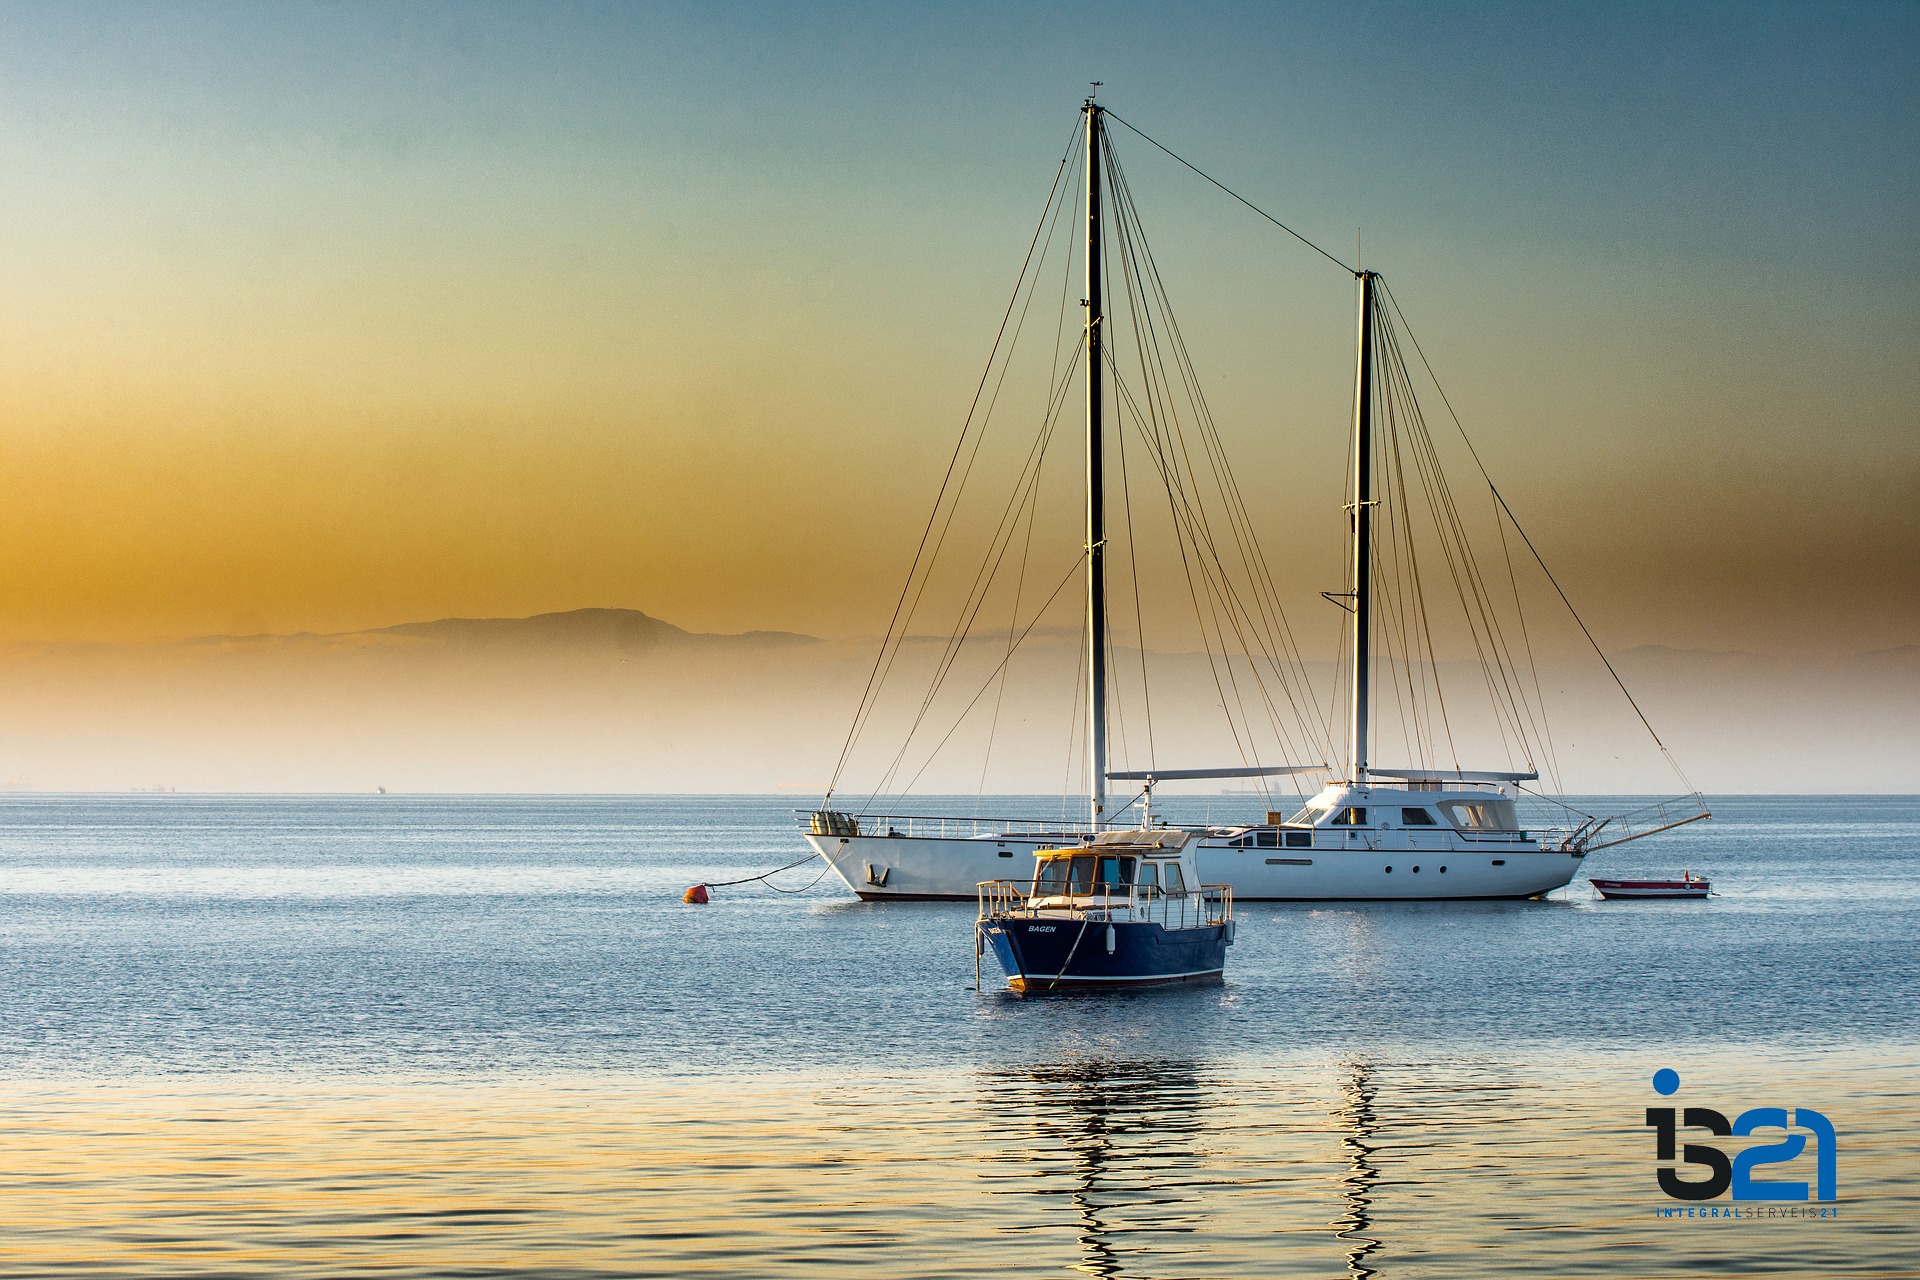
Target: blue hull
x=1063 y=954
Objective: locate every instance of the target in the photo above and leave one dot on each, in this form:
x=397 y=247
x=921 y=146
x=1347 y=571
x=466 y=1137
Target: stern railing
x=833 y=822
x=1205 y=906
x=1636 y=824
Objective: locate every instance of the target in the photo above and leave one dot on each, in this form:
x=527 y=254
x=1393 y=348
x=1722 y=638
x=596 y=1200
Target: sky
x=333 y=316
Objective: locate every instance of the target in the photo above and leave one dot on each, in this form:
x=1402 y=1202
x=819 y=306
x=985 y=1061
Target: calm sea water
x=483 y=1036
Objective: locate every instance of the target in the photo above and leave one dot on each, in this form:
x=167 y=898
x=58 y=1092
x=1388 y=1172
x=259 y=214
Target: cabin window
x=1241 y=842
x=1350 y=818
x=1115 y=871
x=1481 y=815
x=1175 y=882
x=1308 y=817
x=1149 y=881
x=1416 y=818
x=1267 y=839
x=1299 y=839
x=1067 y=875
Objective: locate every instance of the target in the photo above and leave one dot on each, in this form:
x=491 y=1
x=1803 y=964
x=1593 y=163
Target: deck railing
x=1662 y=815
x=832 y=822
x=1209 y=904
x=1358 y=839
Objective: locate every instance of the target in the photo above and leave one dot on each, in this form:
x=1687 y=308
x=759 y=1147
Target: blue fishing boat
x=1123 y=909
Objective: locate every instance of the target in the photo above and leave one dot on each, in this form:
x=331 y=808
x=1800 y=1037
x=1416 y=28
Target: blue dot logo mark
x=1665 y=1081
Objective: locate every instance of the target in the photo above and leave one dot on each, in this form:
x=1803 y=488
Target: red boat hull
x=1688 y=888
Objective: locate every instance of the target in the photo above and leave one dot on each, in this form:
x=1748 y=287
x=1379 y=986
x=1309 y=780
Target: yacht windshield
x=1307 y=817
x=1075 y=874
x=1482 y=815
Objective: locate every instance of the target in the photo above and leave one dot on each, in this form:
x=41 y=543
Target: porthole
x=1389 y=870
x=1416 y=871
x=1499 y=862
x=1443 y=871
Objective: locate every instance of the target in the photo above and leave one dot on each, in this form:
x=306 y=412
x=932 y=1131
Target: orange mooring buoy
x=696 y=894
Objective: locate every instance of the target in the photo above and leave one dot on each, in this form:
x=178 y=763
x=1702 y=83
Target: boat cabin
x=1088 y=871
x=1377 y=806
x=1419 y=813
x=1120 y=865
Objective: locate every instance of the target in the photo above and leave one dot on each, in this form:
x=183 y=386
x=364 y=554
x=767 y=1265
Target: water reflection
x=1357 y=1124
x=1115 y=1145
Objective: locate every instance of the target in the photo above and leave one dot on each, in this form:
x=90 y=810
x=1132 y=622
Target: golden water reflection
x=1357 y=1120
x=1116 y=1147
x=1362 y=1167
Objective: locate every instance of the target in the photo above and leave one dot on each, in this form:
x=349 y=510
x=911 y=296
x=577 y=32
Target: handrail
x=1206 y=905
x=1637 y=824
x=831 y=822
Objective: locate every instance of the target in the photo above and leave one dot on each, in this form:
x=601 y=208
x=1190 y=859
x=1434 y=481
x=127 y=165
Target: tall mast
x=1096 y=517
x=1362 y=509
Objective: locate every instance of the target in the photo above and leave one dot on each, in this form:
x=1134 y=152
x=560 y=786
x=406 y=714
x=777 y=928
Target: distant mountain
x=619 y=629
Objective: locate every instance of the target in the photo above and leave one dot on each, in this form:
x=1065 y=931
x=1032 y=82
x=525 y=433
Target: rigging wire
x=1139 y=622
x=1237 y=196
x=984 y=576
x=1160 y=425
x=1054 y=378
x=1028 y=482
x=867 y=694
x=1552 y=760
x=1239 y=520
x=1040 y=613
x=1535 y=551
x=1013 y=619
x=989 y=566
x=1423 y=616
x=1456 y=546
x=1076 y=723
x=1187 y=567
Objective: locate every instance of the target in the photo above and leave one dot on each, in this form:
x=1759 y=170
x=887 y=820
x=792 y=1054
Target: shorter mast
x=1362 y=509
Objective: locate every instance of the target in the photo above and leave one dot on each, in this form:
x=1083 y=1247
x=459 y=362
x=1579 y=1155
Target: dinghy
x=1687 y=886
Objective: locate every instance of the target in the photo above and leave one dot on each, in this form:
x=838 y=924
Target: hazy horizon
x=620 y=702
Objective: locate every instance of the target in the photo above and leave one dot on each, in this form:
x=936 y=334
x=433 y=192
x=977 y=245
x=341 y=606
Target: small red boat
x=1688 y=886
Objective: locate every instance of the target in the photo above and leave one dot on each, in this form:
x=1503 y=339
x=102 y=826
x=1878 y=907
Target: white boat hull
x=1366 y=866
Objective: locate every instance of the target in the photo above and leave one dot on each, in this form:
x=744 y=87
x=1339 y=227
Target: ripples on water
x=483 y=1037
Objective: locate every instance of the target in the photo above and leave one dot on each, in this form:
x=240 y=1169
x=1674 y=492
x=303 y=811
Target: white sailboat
x=1371 y=833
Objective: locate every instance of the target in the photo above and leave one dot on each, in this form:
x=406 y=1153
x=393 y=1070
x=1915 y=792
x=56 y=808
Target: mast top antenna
x=1093 y=90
